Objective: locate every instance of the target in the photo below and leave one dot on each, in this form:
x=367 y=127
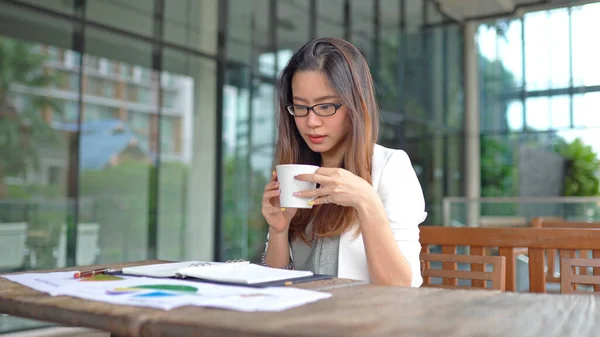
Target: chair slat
x=496 y=276
x=478 y=251
x=450 y=250
x=537 y=282
x=511 y=277
x=596 y=255
x=569 y=280
x=458 y=274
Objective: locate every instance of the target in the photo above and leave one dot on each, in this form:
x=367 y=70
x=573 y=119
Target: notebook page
x=163 y=269
x=246 y=274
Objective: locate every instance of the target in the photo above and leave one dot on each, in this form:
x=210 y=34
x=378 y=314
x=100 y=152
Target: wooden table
x=354 y=310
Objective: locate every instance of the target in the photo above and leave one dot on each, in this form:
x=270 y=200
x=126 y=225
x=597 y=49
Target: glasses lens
x=297 y=110
x=325 y=109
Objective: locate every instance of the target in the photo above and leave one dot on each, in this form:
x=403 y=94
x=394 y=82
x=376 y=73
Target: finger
x=327 y=171
x=270 y=209
x=314 y=178
x=271 y=186
x=317 y=192
x=271 y=194
x=320 y=201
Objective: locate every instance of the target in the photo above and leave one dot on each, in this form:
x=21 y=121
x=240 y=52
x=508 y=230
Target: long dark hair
x=348 y=73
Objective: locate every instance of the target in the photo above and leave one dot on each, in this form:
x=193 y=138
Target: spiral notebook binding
x=228 y=263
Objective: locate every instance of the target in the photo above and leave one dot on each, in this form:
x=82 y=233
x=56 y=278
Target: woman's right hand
x=278 y=218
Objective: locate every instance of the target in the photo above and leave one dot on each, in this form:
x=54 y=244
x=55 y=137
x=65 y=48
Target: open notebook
x=238 y=272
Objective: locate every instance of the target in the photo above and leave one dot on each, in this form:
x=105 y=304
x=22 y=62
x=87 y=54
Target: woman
x=368 y=204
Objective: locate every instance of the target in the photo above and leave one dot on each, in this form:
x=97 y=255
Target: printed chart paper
x=167 y=294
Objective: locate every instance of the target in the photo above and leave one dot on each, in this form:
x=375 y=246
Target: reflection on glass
x=236 y=163
x=115 y=161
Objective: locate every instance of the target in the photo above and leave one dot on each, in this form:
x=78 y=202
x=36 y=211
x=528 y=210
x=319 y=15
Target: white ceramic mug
x=288 y=185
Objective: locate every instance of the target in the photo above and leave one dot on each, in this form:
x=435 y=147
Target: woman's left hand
x=337 y=186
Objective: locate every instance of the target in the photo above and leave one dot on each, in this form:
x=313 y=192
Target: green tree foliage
x=22 y=129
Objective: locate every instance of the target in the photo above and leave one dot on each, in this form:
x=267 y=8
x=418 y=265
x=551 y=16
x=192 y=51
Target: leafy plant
x=581 y=168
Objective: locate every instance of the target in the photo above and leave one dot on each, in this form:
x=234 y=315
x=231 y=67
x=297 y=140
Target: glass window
x=292 y=29
x=115 y=178
x=185 y=220
x=560 y=112
x=388 y=57
x=537 y=50
x=133 y=16
x=585 y=25
x=166 y=134
x=558 y=53
x=538 y=113
x=586 y=110
x=193 y=23
x=514 y=115
x=32 y=190
x=91 y=86
x=71 y=112
x=362 y=28
x=109 y=89
x=330 y=18
x=66 y=6
x=453 y=69
x=73 y=81
x=510 y=53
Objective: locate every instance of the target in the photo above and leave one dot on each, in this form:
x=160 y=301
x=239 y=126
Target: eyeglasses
x=323 y=109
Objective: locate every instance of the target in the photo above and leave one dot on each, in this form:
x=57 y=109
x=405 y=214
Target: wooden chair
x=553 y=275
x=536 y=240
x=478 y=278
x=569 y=279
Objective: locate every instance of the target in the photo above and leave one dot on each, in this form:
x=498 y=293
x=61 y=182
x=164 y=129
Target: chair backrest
x=87 y=245
x=551 y=254
x=569 y=279
x=536 y=240
x=478 y=278
x=12 y=245
x=503 y=221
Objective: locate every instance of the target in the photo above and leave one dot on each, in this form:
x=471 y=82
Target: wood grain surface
x=354 y=310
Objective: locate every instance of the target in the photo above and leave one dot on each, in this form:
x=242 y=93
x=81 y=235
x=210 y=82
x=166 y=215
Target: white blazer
x=396 y=183
x=394 y=179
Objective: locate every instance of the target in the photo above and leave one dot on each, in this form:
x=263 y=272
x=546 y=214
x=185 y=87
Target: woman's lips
x=316 y=139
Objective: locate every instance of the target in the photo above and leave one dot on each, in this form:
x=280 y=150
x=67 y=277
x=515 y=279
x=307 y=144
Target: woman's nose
x=313 y=119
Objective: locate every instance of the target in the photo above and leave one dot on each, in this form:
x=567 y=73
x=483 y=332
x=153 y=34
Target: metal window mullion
x=78 y=45
x=154 y=179
x=223 y=11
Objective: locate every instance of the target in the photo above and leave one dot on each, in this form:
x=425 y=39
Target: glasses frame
x=309 y=108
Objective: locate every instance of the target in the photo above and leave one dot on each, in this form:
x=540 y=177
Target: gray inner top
x=321 y=257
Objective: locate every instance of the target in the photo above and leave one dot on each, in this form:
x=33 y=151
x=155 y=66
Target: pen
x=90 y=273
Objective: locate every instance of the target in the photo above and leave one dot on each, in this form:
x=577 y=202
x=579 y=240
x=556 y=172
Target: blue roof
x=101 y=140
